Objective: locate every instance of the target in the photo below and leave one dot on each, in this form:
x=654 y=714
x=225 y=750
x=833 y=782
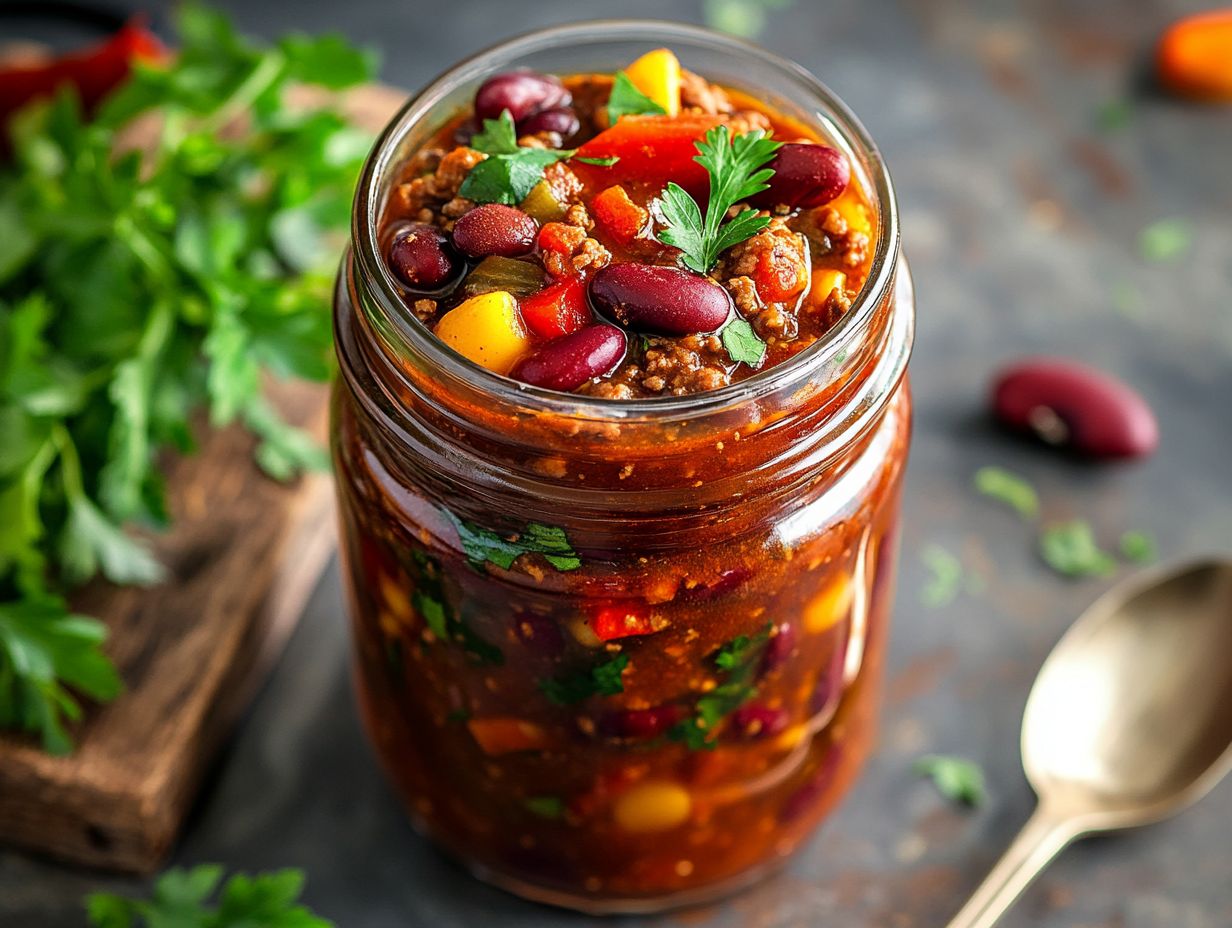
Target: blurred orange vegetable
x=1194 y=58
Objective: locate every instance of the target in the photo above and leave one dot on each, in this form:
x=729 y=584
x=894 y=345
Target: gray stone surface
x=1021 y=218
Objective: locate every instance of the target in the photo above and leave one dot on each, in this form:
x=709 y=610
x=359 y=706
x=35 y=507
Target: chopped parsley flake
x=549 y=807
x=604 y=679
x=1070 y=548
x=1165 y=240
x=742 y=343
x=945 y=579
x=485 y=546
x=955 y=778
x=1009 y=488
x=1138 y=547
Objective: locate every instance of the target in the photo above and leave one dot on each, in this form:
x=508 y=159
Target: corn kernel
x=653 y=806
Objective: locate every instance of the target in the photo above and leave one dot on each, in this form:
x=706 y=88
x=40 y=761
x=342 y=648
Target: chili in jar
x=619 y=479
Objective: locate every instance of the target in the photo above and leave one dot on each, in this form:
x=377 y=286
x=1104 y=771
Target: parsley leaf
x=737 y=171
x=627 y=100
x=1165 y=239
x=603 y=679
x=510 y=171
x=1009 y=488
x=742 y=343
x=549 y=807
x=738 y=659
x=955 y=778
x=1070 y=548
x=44 y=649
x=139 y=289
x=1138 y=547
x=945 y=576
x=182 y=900
x=483 y=545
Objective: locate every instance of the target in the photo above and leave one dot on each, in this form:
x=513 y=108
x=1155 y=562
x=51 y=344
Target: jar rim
x=787 y=375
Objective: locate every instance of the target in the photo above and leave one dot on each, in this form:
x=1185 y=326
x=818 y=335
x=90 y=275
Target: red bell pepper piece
x=94 y=72
x=621 y=620
x=619 y=216
x=652 y=150
x=558 y=309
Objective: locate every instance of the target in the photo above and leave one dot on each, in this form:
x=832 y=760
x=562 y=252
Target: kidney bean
x=520 y=92
x=640 y=723
x=756 y=721
x=804 y=801
x=539 y=632
x=559 y=119
x=567 y=362
x=1066 y=403
x=805 y=175
x=778 y=648
x=495 y=229
x=662 y=300
x=422 y=258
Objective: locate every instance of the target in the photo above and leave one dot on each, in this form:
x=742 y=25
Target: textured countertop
x=1021 y=216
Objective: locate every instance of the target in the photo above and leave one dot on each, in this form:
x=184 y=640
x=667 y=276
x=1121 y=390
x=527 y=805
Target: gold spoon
x=1129 y=720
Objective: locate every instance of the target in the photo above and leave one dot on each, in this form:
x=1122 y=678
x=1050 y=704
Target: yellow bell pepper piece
x=856 y=213
x=826 y=282
x=830 y=606
x=657 y=75
x=487 y=329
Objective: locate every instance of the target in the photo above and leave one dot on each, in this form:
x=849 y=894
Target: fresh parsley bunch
x=181 y=900
x=137 y=289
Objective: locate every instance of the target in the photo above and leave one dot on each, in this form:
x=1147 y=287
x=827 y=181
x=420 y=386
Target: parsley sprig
x=510 y=171
x=483 y=545
x=956 y=778
x=137 y=289
x=182 y=899
x=737 y=171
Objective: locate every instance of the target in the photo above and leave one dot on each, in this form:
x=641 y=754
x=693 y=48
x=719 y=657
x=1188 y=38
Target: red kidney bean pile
x=571 y=286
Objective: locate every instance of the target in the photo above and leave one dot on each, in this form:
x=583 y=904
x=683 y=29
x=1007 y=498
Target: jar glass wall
x=619 y=655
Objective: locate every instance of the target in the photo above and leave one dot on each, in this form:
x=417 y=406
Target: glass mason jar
x=619 y=655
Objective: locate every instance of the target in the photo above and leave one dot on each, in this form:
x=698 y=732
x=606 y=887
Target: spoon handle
x=1041 y=839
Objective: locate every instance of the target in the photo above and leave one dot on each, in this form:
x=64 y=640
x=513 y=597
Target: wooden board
x=243 y=555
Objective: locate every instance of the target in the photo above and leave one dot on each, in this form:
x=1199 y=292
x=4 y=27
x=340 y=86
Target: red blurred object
x=94 y=71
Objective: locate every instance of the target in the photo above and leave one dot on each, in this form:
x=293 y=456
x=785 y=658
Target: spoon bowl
x=1129 y=720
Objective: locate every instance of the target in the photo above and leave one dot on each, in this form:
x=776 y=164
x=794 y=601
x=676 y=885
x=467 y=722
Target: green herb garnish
x=138 y=289
x=182 y=899
x=1009 y=488
x=510 y=171
x=428 y=599
x=737 y=171
x=742 y=343
x=738 y=659
x=1165 y=239
x=627 y=100
x=483 y=545
x=955 y=778
x=549 y=807
x=1138 y=547
x=945 y=579
x=604 y=679
x=1070 y=548
x=744 y=18
x=1114 y=115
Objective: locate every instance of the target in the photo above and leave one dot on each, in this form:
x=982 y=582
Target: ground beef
x=425 y=310
x=776 y=257
x=578 y=254
x=697 y=93
x=423 y=196
x=828 y=234
x=744 y=121
x=564 y=184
